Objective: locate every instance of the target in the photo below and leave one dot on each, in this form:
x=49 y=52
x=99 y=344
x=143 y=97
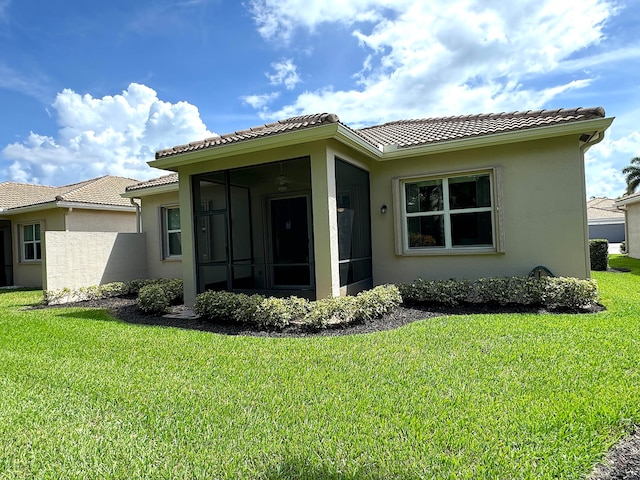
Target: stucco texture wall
x=157 y=266
x=100 y=221
x=83 y=259
x=633 y=230
x=543 y=208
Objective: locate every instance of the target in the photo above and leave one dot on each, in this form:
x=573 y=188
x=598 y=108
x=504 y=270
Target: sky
x=95 y=88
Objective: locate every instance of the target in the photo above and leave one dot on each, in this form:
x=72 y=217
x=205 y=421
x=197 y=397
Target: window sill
x=440 y=252
x=172 y=259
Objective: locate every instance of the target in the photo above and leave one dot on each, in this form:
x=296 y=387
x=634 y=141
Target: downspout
x=138 y=216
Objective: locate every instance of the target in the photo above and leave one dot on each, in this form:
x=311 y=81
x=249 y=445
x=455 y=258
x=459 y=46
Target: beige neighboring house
x=605 y=220
x=27 y=212
x=310 y=206
x=630 y=205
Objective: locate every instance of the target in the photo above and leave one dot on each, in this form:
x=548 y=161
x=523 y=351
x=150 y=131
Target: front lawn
x=476 y=396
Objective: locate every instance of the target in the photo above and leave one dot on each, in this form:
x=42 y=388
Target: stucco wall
x=80 y=220
x=157 y=266
x=29 y=274
x=544 y=213
x=633 y=230
x=83 y=259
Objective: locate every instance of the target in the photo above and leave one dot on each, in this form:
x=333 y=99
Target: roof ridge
x=597 y=111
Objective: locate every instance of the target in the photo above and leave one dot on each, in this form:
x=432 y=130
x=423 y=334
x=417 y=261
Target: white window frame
x=401 y=216
x=166 y=254
x=34 y=242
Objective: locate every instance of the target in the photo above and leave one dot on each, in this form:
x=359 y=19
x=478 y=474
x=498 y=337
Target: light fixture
x=383 y=209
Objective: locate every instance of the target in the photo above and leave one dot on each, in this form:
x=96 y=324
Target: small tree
x=632 y=175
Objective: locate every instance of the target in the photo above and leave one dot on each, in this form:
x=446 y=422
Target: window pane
x=29 y=252
x=38 y=251
x=424 y=196
x=471 y=229
x=37 y=231
x=426 y=231
x=175 y=245
x=469 y=192
x=173 y=219
x=28 y=233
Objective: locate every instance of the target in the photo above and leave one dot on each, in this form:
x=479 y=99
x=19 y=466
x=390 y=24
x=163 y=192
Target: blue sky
x=94 y=88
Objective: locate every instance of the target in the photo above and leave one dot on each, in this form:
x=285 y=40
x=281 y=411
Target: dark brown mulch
x=622 y=462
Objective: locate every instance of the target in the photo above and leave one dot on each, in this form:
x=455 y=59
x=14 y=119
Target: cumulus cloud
x=605 y=161
x=285 y=74
x=428 y=58
x=259 y=102
x=112 y=135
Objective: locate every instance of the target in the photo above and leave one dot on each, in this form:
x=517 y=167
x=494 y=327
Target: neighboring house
x=630 y=205
x=310 y=206
x=160 y=210
x=28 y=211
x=605 y=220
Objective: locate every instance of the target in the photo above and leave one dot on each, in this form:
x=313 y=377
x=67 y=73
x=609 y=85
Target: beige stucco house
x=605 y=220
x=311 y=206
x=28 y=212
x=630 y=205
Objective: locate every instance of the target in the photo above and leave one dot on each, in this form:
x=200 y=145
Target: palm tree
x=632 y=175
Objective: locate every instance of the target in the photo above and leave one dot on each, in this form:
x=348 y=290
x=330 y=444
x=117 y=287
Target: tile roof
x=104 y=190
x=276 y=128
x=406 y=133
x=154 y=182
x=601 y=207
x=409 y=133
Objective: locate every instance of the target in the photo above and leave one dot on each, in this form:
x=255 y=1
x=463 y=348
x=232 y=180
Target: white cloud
x=604 y=163
x=285 y=74
x=114 y=135
x=428 y=58
x=259 y=102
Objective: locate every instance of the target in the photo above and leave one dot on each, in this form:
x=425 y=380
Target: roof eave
x=587 y=126
x=154 y=190
x=96 y=206
x=296 y=137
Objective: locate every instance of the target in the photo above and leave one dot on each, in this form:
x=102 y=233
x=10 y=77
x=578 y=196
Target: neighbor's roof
x=103 y=191
x=405 y=133
x=603 y=208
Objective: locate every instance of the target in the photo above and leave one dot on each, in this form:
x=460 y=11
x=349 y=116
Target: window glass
x=464 y=220
x=28 y=233
x=173 y=219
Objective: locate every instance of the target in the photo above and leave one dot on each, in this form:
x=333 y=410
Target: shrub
x=599 y=254
x=330 y=310
x=374 y=303
x=623 y=247
x=549 y=291
x=274 y=312
x=153 y=298
x=226 y=305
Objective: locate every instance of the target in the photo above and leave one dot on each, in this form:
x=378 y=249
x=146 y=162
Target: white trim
x=65 y=204
x=164 y=226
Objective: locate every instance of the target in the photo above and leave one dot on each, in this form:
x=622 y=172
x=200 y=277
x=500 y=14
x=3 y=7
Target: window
x=452 y=213
x=172 y=233
x=31 y=246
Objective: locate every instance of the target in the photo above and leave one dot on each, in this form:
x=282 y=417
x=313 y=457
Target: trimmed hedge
x=274 y=312
x=552 y=292
x=159 y=295
x=599 y=254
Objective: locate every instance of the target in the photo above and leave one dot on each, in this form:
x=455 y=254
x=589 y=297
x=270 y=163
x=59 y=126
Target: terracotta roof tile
x=408 y=133
x=104 y=190
x=275 y=128
x=154 y=182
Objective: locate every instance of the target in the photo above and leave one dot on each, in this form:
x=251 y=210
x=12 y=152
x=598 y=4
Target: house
x=605 y=220
x=630 y=205
x=28 y=212
x=310 y=206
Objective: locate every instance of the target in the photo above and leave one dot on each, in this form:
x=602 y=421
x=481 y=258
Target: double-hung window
x=31 y=246
x=448 y=213
x=172 y=234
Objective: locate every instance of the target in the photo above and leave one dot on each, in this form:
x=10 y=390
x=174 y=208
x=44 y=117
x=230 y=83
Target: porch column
x=325 y=223
x=186 y=233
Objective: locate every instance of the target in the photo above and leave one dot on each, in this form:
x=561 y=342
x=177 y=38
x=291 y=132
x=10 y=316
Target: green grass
x=480 y=396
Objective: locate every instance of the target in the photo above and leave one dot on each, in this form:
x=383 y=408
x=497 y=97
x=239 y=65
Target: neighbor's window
x=448 y=213
x=31 y=246
x=172 y=233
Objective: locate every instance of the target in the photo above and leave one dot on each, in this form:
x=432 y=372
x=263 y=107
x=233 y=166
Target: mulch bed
x=622 y=461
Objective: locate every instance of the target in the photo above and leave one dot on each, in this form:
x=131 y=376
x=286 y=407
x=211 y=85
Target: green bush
x=599 y=254
x=374 y=303
x=553 y=292
x=153 y=298
x=623 y=247
x=330 y=310
x=226 y=305
x=274 y=312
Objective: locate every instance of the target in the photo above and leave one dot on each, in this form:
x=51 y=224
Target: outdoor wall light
x=383 y=209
